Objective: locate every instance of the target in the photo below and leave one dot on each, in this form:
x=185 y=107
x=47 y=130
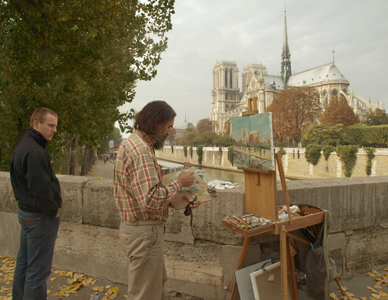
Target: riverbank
x=294 y=162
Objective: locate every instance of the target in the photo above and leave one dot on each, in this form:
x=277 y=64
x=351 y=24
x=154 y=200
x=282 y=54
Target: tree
x=338 y=111
x=376 y=117
x=115 y=136
x=67 y=57
x=203 y=126
x=171 y=136
x=292 y=109
x=188 y=138
x=223 y=141
x=322 y=133
x=205 y=138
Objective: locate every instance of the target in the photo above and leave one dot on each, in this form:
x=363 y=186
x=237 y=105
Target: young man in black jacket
x=38 y=194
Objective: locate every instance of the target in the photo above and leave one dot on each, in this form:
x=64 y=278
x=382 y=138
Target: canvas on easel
x=253 y=141
x=253 y=152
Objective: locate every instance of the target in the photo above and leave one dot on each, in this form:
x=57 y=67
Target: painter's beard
x=159 y=140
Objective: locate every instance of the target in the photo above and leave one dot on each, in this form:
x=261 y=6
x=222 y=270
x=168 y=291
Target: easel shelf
x=315 y=216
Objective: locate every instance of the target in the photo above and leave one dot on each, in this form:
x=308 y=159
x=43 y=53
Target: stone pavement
x=102 y=170
x=64 y=284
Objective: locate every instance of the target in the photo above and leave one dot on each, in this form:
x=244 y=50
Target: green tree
x=205 y=138
x=223 y=141
x=115 y=136
x=292 y=109
x=376 y=117
x=79 y=58
x=317 y=134
x=338 y=111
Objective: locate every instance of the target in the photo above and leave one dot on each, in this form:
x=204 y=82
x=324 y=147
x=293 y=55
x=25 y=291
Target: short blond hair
x=40 y=115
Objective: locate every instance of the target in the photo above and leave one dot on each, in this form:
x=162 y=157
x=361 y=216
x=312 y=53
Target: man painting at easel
x=143 y=200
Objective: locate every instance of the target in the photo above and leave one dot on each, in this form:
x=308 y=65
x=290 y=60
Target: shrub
x=172 y=148
x=191 y=152
x=199 y=153
x=348 y=156
x=327 y=151
x=230 y=154
x=370 y=154
x=282 y=151
x=185 y=151
x=313 y=153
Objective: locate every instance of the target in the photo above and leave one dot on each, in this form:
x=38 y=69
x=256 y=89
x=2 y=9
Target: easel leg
x=240 y=262
x=283 y=262
x=339 y=285
x=291 y=273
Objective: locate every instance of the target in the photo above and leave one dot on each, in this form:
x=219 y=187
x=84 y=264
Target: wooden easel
x=261 y=200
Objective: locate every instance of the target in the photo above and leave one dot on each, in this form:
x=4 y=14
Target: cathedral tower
x=286 y=55
x=225 y=92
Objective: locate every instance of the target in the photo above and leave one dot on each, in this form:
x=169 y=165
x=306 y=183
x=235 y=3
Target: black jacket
x=33 y=180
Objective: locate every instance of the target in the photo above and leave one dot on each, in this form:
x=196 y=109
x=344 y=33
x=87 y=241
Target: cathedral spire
x=286 y=55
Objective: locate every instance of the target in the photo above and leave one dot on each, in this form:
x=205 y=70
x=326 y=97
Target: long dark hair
x=155 y=112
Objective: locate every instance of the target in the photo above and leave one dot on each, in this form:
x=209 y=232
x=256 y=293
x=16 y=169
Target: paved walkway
x=101 y=169
x=63 y=284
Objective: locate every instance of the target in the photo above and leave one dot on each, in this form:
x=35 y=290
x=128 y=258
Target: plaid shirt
x=140 y=193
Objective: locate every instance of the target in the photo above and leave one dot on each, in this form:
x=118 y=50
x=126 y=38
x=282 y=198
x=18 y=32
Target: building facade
x=229 y=101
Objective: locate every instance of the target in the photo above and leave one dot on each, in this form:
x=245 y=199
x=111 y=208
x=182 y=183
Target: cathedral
x=229 y=101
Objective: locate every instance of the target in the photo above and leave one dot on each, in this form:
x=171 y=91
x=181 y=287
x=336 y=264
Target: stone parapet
x=200 y=260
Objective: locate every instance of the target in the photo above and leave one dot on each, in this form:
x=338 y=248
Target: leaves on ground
x=74 y=282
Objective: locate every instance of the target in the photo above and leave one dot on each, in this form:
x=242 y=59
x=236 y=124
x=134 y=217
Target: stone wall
x=201 y=259
x=294 y=166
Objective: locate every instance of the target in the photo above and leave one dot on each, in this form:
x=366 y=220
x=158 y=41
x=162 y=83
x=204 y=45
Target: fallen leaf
x=376 y=286
x=371 y=289
x=52 y=279
x=349 y=294
x=333 y=296
x=382 y=294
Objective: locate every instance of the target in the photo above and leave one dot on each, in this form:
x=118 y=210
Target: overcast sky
x=251 y=31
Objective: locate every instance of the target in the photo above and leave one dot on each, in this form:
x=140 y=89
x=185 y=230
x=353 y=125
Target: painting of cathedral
x=229 y=101
x=253 y=141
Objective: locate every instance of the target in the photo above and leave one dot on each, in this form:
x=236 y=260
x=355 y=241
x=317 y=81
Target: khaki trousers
x=143 y=246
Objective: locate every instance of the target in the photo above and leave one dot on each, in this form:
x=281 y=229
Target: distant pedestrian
x=38 y=194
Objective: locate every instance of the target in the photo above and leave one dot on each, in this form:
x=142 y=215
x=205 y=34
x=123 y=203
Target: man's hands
x=192 y=204
x=186 y=178
x=189 y=200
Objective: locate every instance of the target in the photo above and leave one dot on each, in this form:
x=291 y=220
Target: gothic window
x=226 y=77
x=231 y=78
x=334 y=92
x=345 y=91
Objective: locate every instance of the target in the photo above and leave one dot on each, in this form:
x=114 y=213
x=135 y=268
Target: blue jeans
x=33 y=264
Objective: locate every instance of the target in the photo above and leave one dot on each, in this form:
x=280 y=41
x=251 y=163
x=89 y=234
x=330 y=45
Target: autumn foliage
x=203 y=125
x=292 y=110
x=338 y=111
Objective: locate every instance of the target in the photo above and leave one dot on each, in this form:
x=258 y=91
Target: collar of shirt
x=145 y=137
